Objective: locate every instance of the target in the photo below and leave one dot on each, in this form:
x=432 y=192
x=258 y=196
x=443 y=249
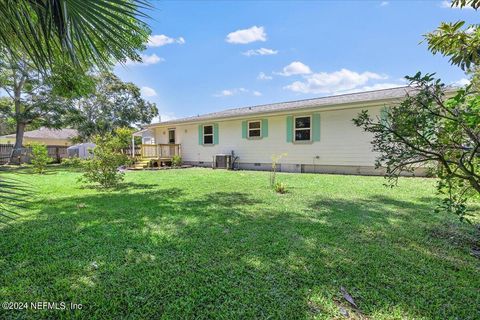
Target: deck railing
x=165 y=151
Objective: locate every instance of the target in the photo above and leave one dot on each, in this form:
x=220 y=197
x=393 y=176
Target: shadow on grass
x=28 y=169
x=20 y=170
x=227 y=255
x=15 y=196
x=122 y=186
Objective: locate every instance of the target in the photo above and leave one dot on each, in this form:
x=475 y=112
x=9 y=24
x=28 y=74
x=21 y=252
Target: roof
x=366 y=96
x=46 y=133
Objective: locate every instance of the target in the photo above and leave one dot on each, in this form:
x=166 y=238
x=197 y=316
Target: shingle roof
x=366 y=96
x=45 y=133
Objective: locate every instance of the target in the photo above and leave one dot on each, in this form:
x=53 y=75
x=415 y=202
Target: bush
x=103 y=169
x=72 y=162
x=40 y=158
x=176 y=161
x=280 y=187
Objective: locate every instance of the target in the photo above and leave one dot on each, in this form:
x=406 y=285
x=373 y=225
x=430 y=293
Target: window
x=208 y=134
x=303 y=128
x=148 y=140
x=254 y=129
x=171 y=136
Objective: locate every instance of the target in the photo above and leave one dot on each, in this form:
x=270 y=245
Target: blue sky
x=208 y=56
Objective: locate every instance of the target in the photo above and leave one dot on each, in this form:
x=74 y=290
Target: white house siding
x=343 y=147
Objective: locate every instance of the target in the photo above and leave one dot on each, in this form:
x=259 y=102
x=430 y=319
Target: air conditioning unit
x=222 y=161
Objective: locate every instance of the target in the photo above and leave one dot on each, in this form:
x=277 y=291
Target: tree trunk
x=20 y=130
x=17 y=148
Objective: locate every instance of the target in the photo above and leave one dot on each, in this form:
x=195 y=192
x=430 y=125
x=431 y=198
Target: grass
x=205 y=244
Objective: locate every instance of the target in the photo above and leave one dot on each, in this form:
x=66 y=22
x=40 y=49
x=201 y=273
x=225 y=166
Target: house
x=316 y=135
x=51 y=137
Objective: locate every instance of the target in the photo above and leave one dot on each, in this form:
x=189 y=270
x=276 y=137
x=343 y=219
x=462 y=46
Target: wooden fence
x=57 y=153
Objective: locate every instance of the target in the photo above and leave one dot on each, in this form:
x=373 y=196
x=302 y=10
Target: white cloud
x=263 y=76
x=445 y=4
x=461 y=83
x=224 y=93
x=260 y=52
x=148 y=92
x=159 y=40
x=448 y=4
x=384 y=3
x=146 y=60
x=247 y=35
x=295 y=68
x=235 y=91
x=329 y=83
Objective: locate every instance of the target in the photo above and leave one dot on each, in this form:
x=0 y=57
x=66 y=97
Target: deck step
x=141 y=164
x=144 y=163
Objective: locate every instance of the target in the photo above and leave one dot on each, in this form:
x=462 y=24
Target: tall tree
x=35 y=97
x=114 y=104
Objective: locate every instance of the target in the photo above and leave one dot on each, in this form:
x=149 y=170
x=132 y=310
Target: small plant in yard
x=273 y=173
x=103 y=169
x=40 y=157
x=176 y=161
x=280 y=187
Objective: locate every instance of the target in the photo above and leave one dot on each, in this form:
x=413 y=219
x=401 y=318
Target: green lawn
x=198 y=243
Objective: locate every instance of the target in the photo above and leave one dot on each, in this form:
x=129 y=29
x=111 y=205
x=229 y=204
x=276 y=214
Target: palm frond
x=85 y=32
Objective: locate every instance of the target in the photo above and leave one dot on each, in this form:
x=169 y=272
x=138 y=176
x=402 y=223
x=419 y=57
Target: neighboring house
x=51 y=137
x=317 y=135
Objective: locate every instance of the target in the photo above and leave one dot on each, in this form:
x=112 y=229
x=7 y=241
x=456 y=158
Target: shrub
x=103 y=169
x=72 y=162
x=40 y=158
x=280 y=187
x=176 y=161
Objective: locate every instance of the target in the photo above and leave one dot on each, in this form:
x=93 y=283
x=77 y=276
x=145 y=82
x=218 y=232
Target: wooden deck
x=157 y=155
x=160 y=151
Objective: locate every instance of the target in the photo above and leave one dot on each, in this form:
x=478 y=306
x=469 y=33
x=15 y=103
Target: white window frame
x=151 y=140
x=174 y=134
x=295 y=128
x=208 y=134
x=259 y=128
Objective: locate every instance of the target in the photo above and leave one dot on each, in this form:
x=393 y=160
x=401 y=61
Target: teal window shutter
x=244 y=129
x=264 y=128
x=384 y=116
x=289 y=128
x=200 y=134
x=316 y=127
x=215 y=133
